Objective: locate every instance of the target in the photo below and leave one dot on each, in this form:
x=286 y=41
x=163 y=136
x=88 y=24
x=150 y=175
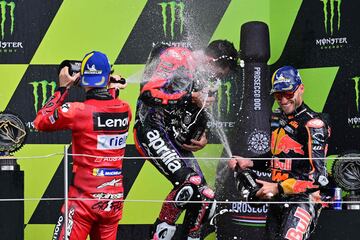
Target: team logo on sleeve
x=65 y=107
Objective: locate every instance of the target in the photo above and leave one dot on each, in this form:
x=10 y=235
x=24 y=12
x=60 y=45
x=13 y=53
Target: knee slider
x=188 y=190
x=184 y=195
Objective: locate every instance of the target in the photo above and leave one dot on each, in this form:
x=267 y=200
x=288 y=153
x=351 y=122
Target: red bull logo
x=304 y=220
x=283 y=165
x=281 y=142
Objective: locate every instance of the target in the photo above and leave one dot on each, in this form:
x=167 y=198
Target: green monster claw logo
x=332 y=14
x=356 y=80
x=173 y=6
x=4 y=6
x=42 y=87
x=227 y=91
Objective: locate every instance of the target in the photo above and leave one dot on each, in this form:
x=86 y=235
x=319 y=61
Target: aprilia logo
x=169 y=157
x=42 y=90
x=7 y=9
x=176 y=15
x=110 y=121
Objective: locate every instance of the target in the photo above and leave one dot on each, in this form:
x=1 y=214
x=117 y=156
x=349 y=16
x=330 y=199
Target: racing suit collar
x=99 y=94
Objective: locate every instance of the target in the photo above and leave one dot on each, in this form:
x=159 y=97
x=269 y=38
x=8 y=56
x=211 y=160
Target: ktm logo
x=176 y=13
x=42 y=90
x=7 y=9
x=332 y=9
x=294 y=124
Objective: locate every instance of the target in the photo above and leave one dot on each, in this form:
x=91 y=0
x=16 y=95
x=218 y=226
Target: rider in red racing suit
x=99 y=128
x=298 y=169
x=165 y=96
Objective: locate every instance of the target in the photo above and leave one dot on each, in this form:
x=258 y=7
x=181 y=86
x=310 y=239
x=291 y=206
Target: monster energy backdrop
x=319 y=37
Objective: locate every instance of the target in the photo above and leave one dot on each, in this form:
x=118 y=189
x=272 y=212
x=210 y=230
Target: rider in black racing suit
x=164 y=100
x=303 y=134
x=298 y=169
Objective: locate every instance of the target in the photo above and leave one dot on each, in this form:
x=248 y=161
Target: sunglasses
x=288 y=95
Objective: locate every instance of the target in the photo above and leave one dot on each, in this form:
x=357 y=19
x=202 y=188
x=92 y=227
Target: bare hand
x=117 y=85
x=268 y=189
x=196 y=145
x=65 y=80
x=243 y=163
x=201 y=99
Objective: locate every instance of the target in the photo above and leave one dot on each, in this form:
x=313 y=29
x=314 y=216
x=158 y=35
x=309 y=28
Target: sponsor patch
x=289 y=129
x=52 y=119
x=110 y=121
x=168 y=156
x=323 y=180
x=108 y=159
x=107 y=171
x=107 y=206
x=315 y=123
x=318 y=148
x=304 y=220
x=106 y=142
x=196 y=180
x=113 y=183
x=65 y=107
x=209 y=193
x=108 y=195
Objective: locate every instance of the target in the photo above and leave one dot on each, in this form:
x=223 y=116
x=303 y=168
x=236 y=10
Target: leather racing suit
x=99 y=128
x=165 y=95
x=298 y=149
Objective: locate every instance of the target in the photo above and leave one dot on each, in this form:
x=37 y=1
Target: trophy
x=12 y=137
x=346 y=173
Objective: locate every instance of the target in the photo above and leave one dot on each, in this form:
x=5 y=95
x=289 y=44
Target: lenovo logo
x=110 y=121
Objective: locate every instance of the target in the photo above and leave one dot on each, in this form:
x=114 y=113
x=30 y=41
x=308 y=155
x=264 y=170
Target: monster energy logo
x=173 y=6
x=224 y=89
x=4 y=6
x=356 y=80
x=354 y=121
x=41 y=92
x=331 y=20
